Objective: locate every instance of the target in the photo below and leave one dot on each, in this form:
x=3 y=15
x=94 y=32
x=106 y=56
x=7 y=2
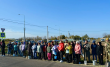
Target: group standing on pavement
x=57 y=51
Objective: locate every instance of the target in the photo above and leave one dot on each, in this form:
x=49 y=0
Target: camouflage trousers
x=109 y=57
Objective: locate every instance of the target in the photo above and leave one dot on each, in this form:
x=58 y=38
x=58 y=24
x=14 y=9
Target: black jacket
x=29 y=48
x=10 y=46
x=73 y=46
x=99 y=50
x=3 y=45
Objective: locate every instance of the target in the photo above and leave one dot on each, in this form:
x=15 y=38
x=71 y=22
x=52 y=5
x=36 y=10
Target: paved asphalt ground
x=10 y=61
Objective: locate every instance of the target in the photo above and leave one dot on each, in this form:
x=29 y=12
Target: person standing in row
x=29 y=49
x=54 y=50
x=23 y=50
x=15 y=49
x=39 y=51
x=61 y=50
x=45 y=51
x=107 y=49
x=49 y=51
x=18 y=45
x=42 y=54
x=100 y=53
x=9 y=48
x=94 y=47
x=86 y=48
x=73 y=46
x=34 y=49
x=3 y=47
x=69 y=53
x=77 y=50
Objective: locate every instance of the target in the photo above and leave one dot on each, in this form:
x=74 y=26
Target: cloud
x=16 y=34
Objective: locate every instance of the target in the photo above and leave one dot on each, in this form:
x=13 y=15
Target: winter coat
x=10 y=46
x=73 y=46
x=20 y=47
x=77 y=49
x=23 y=47
x=54 y=49
x=48 y=49
x=29 y=48
x=2 y=45
x=38 y=48
x=34 y=48
x=42 y=45
x=15 y=48
x=61 y=47
x=44 y=48
x=87 y=48
x=69 y=48
x=99 y=49
x=94 y=47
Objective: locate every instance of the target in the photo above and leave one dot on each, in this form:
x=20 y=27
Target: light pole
x=24 y=25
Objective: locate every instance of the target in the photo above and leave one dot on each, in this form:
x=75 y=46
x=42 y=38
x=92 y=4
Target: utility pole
x=24 y=29
x=47 y=33
x=24 y=26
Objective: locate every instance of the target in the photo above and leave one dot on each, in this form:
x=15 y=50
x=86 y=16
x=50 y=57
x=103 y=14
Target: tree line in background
x=75 y=37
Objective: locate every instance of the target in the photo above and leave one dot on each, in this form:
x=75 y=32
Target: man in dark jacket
x=29 y=49
x=94 y=47
x=86 y=48
x=3 y=48
x=10 y=46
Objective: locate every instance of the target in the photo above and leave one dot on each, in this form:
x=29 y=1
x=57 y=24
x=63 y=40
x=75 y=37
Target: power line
x=13 y=21
x=20 y=23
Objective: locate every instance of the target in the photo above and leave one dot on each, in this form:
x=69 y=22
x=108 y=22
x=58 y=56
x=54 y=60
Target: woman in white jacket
x=34 y=49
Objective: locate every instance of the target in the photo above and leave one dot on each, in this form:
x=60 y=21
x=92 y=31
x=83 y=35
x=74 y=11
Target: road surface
x=10 y=61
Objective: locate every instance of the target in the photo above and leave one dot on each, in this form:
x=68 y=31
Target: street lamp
x=24 y=25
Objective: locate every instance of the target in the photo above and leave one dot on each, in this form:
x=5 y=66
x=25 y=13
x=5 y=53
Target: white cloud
x=16 y=34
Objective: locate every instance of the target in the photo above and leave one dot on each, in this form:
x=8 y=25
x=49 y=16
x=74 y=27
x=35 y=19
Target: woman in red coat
x=61 y=50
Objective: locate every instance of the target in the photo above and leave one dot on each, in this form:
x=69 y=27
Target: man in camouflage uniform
x=107 y=49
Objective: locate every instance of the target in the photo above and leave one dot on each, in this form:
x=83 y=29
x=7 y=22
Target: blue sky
x=79 y=17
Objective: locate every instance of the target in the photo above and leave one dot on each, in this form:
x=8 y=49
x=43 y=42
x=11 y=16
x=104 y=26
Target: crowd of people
x=57 y=51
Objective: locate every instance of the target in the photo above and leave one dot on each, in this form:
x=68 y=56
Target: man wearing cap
x=107 y=48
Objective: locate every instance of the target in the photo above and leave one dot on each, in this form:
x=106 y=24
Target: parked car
x=102 y=40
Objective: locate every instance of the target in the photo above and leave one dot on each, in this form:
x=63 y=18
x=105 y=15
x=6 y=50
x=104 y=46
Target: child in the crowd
x=69 y=53
x=49 y=51
x=94 y=47
x=77 y=50
x=39 y=50
x=15 y=49
x=100 y=53
x=44 y=51
x=54 y=51
x=34 y=49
